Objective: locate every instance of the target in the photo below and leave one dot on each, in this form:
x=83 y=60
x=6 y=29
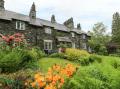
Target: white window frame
x=21 y=25
x=48 y=30
x=73 y=34
x=48 y=44
x=84 y=45
x=83 y=36
x=73 y=45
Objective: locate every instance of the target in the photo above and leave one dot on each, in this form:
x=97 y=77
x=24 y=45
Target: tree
x=116 y=28
x=99 y=38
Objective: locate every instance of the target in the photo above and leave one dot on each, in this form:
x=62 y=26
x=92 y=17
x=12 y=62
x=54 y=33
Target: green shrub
x=10 y=62
x=58 y=55
x=84 y=61
x=116 y=64
x=93 y=58
x=16 y=80
x=97 y=74
x=19 y=58
x=85 y=80
x=75 y=54
x=36 y=53
x=6 y=83
x=115 y=55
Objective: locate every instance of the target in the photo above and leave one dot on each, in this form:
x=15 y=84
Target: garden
x=26 y=67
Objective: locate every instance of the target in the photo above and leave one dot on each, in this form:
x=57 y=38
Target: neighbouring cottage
x=47 y=35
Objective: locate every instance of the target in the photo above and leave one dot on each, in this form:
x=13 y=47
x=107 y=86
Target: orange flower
x=37 y=76
x=33 y=84
x=49 y=78
x=62 y=80
x=42 y=84
x=50 y=87
x=56 y=67
x=54 y=77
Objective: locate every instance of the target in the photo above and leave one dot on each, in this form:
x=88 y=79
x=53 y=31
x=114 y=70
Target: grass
x=45 y=63
x=97 y=75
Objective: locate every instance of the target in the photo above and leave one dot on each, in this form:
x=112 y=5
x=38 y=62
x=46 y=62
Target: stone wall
x=35 y=35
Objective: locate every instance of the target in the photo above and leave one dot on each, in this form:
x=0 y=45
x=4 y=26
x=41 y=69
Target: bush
x=89 y=78
x=16 y=80
x=6 y=83
x=75 y=54
x=84 y=61
x=10 y=62
x=83 y=80
x=36 y=53
x=93 y=58
x=58 y=55
x=115 y=55
x=116 y=64
x=15 y=59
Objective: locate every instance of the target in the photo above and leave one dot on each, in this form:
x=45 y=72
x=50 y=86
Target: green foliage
x=115 y=55
x=116 y=28
x=75 y=54
x=99 y=39
x=58 y=55
x=84 y=80
x=6 y=82
x=16 y=80
x=84 y=61
x=36 y=53
x=14 y=59
x=116 y=64
x=96 y=76
x=93 y=58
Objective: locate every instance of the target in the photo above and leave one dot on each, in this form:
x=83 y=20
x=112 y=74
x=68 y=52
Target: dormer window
x=48 y=30
x=73 y=34
x=20 y=25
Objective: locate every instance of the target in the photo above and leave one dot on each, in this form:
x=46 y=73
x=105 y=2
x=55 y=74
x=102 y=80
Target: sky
x=85 y=12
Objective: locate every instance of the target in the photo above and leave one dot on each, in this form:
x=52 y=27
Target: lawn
x=45 y=63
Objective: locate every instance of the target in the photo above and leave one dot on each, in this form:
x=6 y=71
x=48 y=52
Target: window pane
x=48 y=45
x=20 y=25
x=48 y=30
x=17 y=24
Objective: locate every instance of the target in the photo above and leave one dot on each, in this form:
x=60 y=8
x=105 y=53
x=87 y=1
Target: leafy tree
x=99 y=38
x=116 y=28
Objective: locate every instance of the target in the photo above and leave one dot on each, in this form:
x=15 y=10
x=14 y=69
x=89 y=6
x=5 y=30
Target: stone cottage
x=47 y=35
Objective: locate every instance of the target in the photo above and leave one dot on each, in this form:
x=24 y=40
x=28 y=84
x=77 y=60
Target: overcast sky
x=86 y=12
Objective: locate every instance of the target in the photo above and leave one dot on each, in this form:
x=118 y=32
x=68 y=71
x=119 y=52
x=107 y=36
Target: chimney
x=69 y=23
x=53 y=19
x=2 y=5
x=79 y=26
x=32 y=13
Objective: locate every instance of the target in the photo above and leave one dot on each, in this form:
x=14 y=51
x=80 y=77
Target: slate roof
x=9 y=15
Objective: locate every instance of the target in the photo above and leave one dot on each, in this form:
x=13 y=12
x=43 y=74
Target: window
x=48 y=30
x=73 y=45
x=20 y=25
x=89 y=49
x=48 y=44
x=84 y=36
x=73 y=35
x=84 y=46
